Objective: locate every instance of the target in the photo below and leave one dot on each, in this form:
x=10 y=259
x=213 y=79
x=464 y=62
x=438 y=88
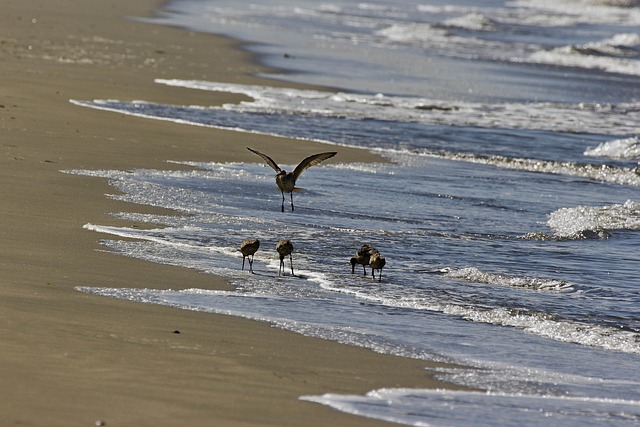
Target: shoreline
x=70 y=358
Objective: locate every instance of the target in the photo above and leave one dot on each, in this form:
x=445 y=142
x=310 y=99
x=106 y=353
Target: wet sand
x=72 y=359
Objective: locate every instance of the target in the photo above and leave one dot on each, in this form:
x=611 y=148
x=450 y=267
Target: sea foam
x=575 y=221
x=421 y=407
x=625 y=148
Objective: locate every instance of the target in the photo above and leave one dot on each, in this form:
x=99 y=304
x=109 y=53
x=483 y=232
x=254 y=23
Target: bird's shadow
x=277 y=276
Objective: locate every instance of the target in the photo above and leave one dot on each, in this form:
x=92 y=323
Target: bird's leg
x=251 y=264
x=291 y=201
x=291 y=260
x=243 y=257
x=364 y=269
x=281 y=267
x=380 y=276
x=283 y=201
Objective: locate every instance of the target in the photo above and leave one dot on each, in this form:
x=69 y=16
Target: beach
x=73 y=359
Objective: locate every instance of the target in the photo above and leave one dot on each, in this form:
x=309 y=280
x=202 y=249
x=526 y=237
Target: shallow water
x=509 y=213
x=479 y=279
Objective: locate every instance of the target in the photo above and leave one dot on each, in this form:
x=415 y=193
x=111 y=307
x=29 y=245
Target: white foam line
x=388 y=404
x=473 y=274
x=626 y=148
x=571 y=221
x=384 y=393
x=604 y=173
x=594 y=118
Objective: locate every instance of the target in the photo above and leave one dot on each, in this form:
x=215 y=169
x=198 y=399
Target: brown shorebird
x=284 y=248
x=286 y=181
x=362 y=257
x=377 y=262
x=248 y=248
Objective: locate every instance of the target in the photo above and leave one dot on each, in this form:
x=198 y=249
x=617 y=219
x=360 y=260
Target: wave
x=603 y=173
x=473 y=274
x=422 y=407
x=609 y=119
x=577 y=12
x=618 y=54
x=580 y=235
x=548 y=326
x=625 y=149
x=569 y=222
x=472 y=21
x=460 y=34
x=549 y=13
x=618 y=119
x=443 y=37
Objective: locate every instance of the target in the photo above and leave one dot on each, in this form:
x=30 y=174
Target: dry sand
x=71 y=359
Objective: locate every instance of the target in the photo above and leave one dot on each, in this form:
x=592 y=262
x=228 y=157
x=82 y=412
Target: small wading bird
x=362 y=257
x=248 y=248
x=377 y=262
x=284 y=248
x=286 y=181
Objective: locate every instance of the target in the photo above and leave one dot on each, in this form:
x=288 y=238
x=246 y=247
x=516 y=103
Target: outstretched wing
x=311 y=161
x=267 y=159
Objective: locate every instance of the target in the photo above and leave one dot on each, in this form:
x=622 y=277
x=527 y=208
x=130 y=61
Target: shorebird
x=284 y=248
x=362 y=257
x=286 y=181
x=248 y=248
x=377 y=262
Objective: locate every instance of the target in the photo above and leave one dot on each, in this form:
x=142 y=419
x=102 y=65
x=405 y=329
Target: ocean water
x=508 y=211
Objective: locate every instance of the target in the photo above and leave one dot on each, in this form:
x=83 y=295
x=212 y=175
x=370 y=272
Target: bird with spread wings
x=286 y=181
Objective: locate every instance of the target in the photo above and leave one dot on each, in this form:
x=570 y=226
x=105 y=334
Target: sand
x=73 y=359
